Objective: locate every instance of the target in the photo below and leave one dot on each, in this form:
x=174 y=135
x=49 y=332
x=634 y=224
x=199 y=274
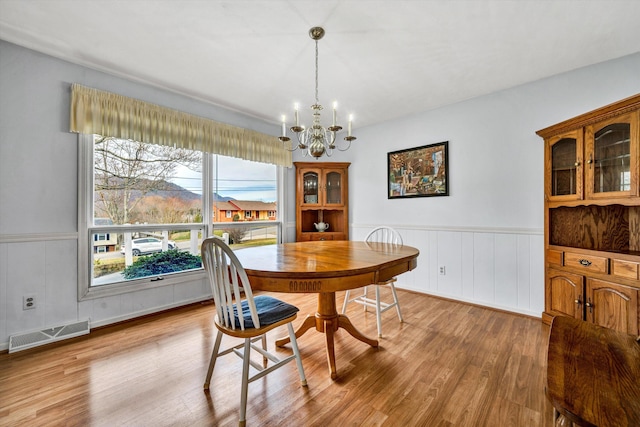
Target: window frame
x=86 y=229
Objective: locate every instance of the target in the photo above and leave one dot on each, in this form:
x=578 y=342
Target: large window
x=144 y=210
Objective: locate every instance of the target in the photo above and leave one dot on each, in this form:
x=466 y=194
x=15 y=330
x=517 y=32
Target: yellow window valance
x=97 y=112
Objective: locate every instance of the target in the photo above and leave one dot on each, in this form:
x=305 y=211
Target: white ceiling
x=379 y=59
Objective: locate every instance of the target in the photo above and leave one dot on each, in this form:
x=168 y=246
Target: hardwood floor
x=448 y=364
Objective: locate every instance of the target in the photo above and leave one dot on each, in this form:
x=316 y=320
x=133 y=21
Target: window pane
x=138 y=183
x=139 y=254
x=244 y=192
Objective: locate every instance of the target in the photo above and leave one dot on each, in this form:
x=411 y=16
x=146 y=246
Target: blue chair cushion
x=270 y=310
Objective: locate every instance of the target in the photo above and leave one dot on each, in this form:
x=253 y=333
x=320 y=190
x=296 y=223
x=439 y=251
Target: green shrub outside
x=162 y=263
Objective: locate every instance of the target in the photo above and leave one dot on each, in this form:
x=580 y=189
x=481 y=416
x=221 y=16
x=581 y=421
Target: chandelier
x=316 y=140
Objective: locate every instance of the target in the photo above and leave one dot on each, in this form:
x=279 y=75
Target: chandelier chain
x=317 y=101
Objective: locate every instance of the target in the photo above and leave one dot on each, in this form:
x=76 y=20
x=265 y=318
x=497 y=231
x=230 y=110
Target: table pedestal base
x=328 y=321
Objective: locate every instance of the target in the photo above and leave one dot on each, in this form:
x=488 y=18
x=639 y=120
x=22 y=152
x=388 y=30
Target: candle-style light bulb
x=350 y=120
x=284 y=126
x=335 y=105
x=295 y=106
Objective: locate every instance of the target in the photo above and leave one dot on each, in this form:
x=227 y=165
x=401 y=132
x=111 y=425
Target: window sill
x=140 y=284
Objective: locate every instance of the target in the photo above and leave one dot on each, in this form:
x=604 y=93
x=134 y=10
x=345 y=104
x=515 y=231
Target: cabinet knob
x=590 y=160
x=578 y=301
x=589 y=305
x=584 y=262
x=576 y=164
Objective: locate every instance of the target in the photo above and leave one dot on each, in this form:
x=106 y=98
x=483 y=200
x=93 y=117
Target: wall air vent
x=46 y=336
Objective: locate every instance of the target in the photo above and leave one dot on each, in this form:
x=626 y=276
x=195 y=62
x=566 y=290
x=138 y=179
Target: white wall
x=488 y=233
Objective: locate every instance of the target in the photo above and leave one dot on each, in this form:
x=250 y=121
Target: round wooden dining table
x=325 y=267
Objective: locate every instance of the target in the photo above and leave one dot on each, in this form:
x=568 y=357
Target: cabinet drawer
x=321 y=236
x=626 y=269
x=587 y=262
x=555 y=257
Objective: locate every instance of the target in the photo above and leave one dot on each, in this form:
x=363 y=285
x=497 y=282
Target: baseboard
x=4 y=347
x=482 y=304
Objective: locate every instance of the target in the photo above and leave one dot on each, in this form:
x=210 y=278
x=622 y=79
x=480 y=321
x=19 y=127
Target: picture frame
x=418 y=172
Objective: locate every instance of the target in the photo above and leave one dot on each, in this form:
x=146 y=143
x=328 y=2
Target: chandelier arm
x=302 y=139
x=331 y=138
x=348 y=146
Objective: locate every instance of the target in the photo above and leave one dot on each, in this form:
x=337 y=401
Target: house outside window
x=104 y=242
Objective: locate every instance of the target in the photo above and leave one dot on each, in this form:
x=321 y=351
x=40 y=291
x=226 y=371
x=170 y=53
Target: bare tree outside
x=128 y=172
x=236 y=234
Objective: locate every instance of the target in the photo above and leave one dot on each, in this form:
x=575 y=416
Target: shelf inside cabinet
x=614 y=228
x=310 y=217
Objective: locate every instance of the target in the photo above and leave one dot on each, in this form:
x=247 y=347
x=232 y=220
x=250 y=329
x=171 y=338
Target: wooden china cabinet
x=592 y=217
x=322 y=196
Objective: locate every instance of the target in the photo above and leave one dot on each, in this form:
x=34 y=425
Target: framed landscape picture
x=419 y=172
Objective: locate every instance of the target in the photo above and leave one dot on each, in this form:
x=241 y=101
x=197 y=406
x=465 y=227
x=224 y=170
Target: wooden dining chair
x=386 y=235
x=255 y=317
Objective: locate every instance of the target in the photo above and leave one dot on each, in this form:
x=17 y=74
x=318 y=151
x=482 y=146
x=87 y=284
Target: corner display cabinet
x=592 y=217
x=322 y=196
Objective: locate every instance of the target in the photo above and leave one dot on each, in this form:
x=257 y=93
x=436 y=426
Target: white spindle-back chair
x=386 y=235
x=257 y=316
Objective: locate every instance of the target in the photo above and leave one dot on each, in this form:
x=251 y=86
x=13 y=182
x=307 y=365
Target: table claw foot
x=345 y=323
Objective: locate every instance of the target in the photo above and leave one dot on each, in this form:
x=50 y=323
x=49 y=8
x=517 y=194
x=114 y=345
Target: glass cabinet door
x=611 y=158
x=565 y=154
x=310 y=188
x=333 y=188
x=563 y=171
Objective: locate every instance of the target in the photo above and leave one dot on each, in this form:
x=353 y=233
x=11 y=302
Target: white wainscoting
x=498 y=268
x=45 y=265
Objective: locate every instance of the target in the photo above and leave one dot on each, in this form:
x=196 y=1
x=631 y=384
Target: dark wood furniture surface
x=322 y=195
x=592 y=217
x=325 y=267
x=593 y=374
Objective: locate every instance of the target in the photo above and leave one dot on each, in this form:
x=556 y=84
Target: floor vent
x=46 y=336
